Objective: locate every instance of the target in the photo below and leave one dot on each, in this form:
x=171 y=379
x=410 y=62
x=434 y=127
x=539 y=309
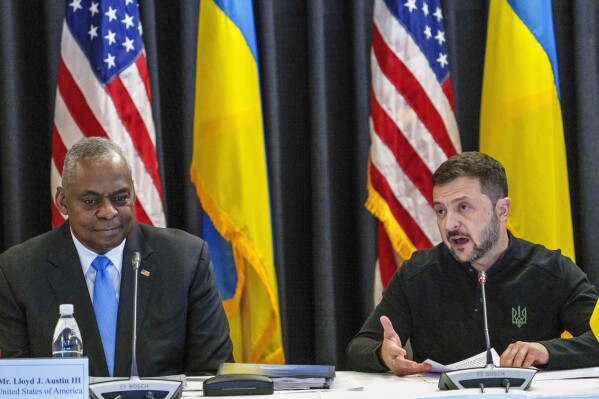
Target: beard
x=489 y=237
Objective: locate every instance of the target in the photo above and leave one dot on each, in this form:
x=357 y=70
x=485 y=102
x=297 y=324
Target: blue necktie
x=105 y=308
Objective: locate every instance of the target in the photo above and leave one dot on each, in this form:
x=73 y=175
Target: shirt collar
x=87 y=256
x=504 y=261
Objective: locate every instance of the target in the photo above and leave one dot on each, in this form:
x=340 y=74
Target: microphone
x=489 y=376
x=135 y=260
x=135 y=387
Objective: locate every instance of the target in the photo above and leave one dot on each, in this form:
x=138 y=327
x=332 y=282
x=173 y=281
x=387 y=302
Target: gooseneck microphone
x=482 y=279
x=135 y=387
x=135 y=260
x=489 y=376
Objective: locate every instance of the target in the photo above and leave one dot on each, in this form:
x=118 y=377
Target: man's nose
x=452 y=221
x=107 y=209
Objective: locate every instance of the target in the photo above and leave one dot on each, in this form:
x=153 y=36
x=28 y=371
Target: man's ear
x=60 y=202
x=503 y=207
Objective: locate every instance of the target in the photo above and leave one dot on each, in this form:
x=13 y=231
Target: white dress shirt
x=86 y=257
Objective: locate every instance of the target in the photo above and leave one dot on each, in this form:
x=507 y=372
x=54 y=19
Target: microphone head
x=482 y=277
x=136 y=259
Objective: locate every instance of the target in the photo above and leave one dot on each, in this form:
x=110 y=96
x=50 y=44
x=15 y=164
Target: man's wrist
x=379 y=355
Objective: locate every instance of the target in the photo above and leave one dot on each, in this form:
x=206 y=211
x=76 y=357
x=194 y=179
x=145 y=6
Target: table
x=383 y=386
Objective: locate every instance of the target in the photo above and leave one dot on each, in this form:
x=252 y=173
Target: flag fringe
x=379 y=208
x=243 y=251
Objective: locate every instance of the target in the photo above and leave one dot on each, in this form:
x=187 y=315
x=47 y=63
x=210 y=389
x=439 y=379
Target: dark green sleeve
x=363 y=350
x=577 y=352
x=579 y=300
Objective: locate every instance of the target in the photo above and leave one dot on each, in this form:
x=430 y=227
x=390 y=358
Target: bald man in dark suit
x=182 y=327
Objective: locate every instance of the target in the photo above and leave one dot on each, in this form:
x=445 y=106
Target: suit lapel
x=136 y=242
x=69 y=286
x=68 y=283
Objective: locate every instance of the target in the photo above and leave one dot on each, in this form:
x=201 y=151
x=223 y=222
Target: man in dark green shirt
x=533 y=293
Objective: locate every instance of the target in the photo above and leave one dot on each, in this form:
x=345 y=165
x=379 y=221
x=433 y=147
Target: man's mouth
x=108 y=230
x=459 y=239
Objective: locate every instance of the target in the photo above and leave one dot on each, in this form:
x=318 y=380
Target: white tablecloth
x=383 y=386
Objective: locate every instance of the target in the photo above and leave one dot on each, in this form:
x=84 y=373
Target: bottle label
x=67 y=344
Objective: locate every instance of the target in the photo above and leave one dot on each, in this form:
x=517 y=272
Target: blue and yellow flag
x=521 y=120
x=229 y=171
x=595 y=321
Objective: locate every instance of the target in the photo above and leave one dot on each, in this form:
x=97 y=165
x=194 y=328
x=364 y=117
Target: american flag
x=104 y=90
x=412 y=125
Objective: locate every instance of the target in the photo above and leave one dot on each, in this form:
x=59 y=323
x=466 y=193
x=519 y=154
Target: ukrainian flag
x=521 y=120
x=595 y=321
x=229 y=171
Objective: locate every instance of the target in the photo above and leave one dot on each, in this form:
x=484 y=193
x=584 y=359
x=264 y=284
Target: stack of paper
x=286 y=376
x=479 y=360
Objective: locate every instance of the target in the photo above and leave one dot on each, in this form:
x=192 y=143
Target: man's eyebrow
x=121 y=191
x=89 y=192
x=117 y=192
x=453 y=201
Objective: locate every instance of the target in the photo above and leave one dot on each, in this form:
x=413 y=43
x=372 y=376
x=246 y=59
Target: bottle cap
x=66 y=309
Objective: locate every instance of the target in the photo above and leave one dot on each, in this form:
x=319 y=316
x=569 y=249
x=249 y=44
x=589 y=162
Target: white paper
x=195 y=383
x=339 y=383
x=479 y=360
x=566 y=374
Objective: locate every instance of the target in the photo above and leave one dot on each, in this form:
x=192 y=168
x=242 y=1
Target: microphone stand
x=135 y=387
x=489 y=376
x=136 y=260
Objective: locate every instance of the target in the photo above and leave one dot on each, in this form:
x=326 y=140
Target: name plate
x=44 y=378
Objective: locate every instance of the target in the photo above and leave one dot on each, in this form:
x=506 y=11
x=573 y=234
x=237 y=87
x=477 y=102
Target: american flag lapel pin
x=145 y=272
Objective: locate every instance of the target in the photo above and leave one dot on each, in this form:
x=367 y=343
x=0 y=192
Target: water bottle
x=67 y=338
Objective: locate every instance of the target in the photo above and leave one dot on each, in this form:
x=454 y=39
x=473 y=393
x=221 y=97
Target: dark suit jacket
x=182 y=327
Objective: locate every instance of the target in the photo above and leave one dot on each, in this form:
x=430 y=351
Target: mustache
x=451 y=234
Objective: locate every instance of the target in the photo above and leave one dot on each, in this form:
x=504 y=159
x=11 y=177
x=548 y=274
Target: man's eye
x=120 y=199
x=440 y=212
x=89 y=201
x=464 y=207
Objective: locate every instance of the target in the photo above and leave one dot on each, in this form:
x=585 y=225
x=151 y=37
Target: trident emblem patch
x=519 y=316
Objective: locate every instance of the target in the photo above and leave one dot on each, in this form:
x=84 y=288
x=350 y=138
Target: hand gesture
x=394 y=355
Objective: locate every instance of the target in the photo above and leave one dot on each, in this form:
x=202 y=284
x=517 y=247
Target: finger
x=520 y=355
x=537 y=355
x=507 y=357
x=389 y=331
x=399 y=360
x=402 y=367
x=530 y=359
x=515 y=355
x=391 y=353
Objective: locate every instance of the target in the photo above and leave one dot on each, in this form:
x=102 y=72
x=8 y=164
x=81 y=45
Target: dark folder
x=286 y=376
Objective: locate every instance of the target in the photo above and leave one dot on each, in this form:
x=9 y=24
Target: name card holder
x=44 y=378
